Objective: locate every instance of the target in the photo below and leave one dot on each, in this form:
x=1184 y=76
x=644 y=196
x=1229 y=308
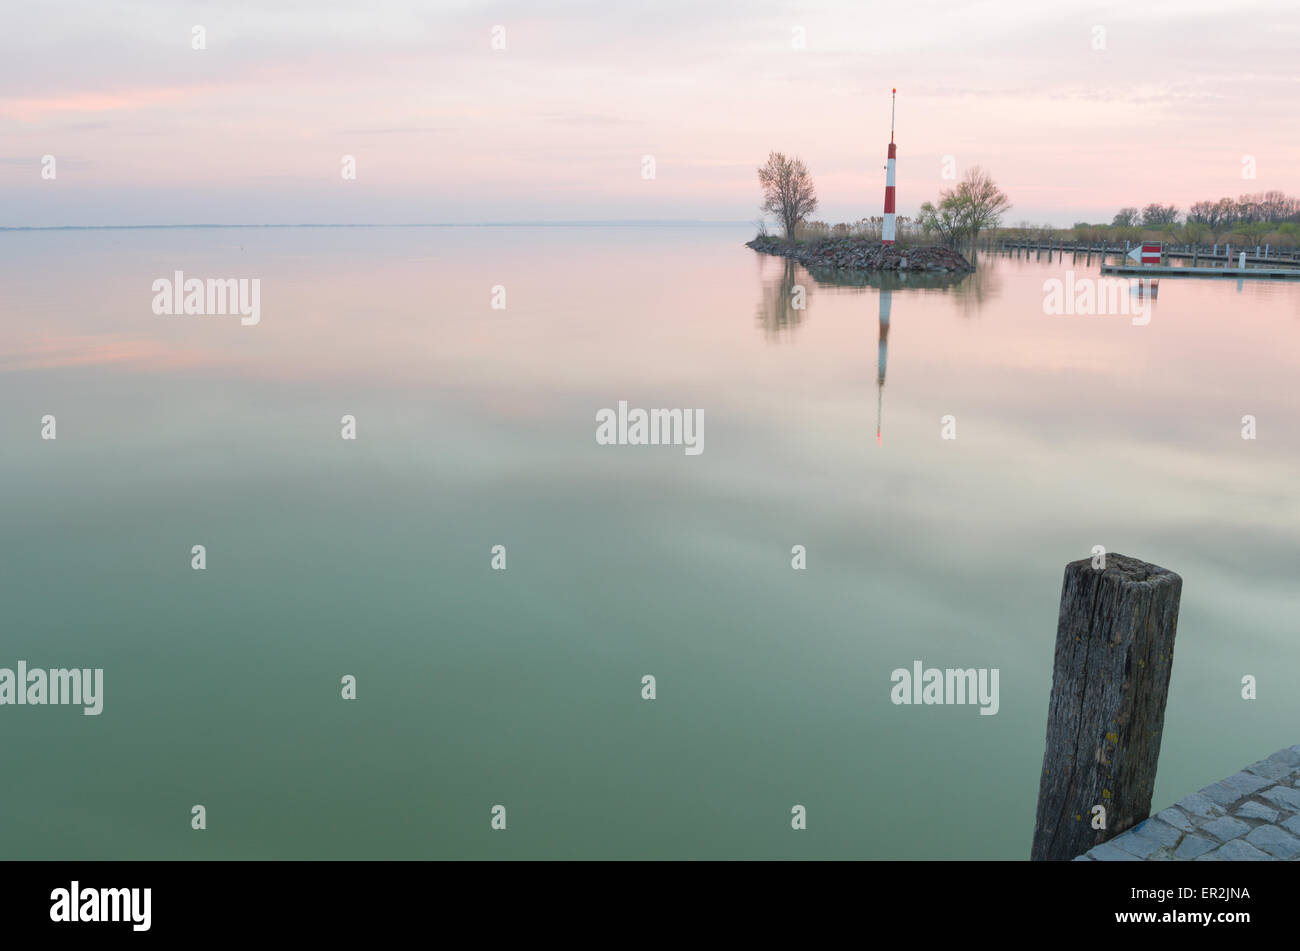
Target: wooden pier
x=1156 y=270
x=1276 y=265
x=1272 y=257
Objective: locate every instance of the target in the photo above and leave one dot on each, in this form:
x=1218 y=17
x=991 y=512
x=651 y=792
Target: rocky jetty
x=864 y=254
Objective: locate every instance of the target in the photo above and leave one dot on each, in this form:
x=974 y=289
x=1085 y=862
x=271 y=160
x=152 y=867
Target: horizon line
x=561 y=223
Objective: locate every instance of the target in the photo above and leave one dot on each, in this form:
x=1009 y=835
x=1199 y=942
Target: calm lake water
x=522 y=687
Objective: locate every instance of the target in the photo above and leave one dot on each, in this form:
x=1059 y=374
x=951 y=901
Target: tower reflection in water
x=783 y=302
x=882 y=357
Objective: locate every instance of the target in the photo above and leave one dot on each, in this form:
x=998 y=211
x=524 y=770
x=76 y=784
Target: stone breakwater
x=864 y=254
x=1252 y=816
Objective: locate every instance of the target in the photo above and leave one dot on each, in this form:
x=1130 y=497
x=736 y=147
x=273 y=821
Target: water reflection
x=782 y=303
x=980 y=287
x=882 y=356
x=892 y=280
x=779 y=312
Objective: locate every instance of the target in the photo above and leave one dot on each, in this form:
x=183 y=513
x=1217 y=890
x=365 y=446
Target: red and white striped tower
x=887 y=230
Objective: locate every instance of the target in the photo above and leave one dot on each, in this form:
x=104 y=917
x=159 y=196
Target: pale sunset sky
x=444 y=128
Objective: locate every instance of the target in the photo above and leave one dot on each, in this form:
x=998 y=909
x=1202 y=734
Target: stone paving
x=1252 y=816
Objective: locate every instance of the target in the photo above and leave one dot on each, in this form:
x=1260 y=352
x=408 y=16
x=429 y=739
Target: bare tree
x=788 y=191
x=1156 y=214
x=982 y=202
x=963 y=212
x=1126 y=218
x=1206 y=213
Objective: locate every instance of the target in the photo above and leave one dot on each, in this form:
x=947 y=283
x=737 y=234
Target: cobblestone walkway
x=1252 y=816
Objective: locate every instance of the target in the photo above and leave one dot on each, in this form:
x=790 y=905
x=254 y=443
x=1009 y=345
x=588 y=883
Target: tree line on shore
x=1270 y=207
x=1270 y=217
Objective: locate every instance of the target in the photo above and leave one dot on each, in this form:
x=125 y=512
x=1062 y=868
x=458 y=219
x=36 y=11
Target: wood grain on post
x=1110 y=681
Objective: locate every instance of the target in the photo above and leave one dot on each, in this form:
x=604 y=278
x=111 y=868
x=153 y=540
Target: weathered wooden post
x=1110 y=681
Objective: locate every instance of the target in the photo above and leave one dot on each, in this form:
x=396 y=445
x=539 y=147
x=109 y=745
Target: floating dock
x=1156 y=270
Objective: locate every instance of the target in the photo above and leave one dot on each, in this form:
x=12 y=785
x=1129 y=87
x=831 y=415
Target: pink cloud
x=94 y=349
x=34 y=110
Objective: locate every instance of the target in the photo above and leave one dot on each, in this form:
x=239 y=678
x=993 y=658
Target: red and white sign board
x=1146 y=253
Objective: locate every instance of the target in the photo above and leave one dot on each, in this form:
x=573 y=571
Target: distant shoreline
x=615 y=223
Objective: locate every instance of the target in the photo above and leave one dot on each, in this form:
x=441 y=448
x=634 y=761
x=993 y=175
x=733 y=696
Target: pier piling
x=1110 y=681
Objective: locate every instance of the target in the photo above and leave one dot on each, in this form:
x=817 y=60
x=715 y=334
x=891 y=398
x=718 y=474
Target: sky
x=1077 y=109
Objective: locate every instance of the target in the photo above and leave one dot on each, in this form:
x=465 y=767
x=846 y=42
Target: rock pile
x=864 y=254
